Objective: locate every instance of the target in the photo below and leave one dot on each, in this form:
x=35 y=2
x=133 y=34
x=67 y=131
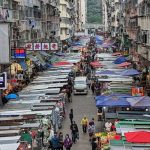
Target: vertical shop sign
x=54 y=46
x=29 y=46
x=37 y=47
x=3 y=80
x=45 y=46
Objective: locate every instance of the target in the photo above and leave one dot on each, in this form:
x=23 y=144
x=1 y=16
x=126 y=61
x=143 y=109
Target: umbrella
x=62 y=63
x=141 y=101
x=125 y=64
x=130 y=72
x=113 y=101
x=108 y=72
x=11 y=96
x=120 y=60
x=138 y=137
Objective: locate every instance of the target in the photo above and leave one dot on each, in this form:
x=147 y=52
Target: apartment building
x=144 y=28
x=31 y=20
x=68 y=19
x=81 y=11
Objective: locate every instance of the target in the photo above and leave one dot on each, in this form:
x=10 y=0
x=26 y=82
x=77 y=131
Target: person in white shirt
x=108 y=125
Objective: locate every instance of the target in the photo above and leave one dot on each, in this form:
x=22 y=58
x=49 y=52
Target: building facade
x=67 y=19
x=31 y=21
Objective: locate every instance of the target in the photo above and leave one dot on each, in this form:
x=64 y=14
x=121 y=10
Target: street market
x=41 y=107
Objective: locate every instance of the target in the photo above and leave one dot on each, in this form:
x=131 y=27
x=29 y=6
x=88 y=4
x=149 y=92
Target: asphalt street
x=82 y=105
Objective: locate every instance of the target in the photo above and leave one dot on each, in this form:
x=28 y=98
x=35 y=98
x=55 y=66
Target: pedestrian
x=60 y=137
x=108 y=125
x=51 y=135
x=55 y=142
x=93 y=87
x=92 y=122
x=91 y=131
x=71 y=116
x=67 y=142
x=74 y=131
x=84 y=123
x=68 y=91
x=94 y=143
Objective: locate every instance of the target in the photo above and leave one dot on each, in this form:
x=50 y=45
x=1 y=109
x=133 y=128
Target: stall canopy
x=130 y=72
x=120 y=60
x=60 y=54
x=141 y=101
x=62 y=63
x=23 y=65
x=125 y=64
x=95 y=64
x=107 y=72
x=116 y=54
x=113 y=101
x=138 y=137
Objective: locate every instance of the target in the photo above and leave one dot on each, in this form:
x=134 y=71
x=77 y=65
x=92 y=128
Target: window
x=1 y=2
x=61 y=31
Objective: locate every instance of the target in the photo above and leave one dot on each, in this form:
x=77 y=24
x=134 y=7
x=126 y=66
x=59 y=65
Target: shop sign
x=3 y=80
x=20 y=53
x=54 y=46
x=29 y=46
x=37 y=47
x=45 y=46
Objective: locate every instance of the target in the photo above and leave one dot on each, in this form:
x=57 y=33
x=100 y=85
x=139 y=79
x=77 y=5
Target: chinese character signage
x=54 y=46
x=45 y=46
x=41 y=46
x=20 y=53
x=37 y=47
x=29 y=46
x=3 y=80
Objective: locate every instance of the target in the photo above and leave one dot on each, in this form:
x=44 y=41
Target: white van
x=80 y=85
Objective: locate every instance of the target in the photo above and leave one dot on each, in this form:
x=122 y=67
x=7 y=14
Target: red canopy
x=62 y=63
x=116 y=54
x=96 y=64
x=138 y=137
x=125 y=64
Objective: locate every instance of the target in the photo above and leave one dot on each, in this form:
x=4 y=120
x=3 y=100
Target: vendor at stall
x=108 y=126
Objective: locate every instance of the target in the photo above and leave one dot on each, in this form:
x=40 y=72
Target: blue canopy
x=120 y=60
x=60 y=54
x=11 y=96
x=114 y=100
x=76 y=43
x=141 y=101
x=23 y=65
x=107 y=72
x=130 y=72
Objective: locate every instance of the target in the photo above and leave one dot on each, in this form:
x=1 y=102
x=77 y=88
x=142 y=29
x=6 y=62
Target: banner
x=41 y=46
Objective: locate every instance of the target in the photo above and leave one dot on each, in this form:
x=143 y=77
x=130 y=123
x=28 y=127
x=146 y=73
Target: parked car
x=80 y=85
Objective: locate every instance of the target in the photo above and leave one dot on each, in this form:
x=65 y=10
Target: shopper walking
x=67 y=142
x=74 y=132
x=55 y=142
x=60 y=137
x=93 y=87
x=84 y=123
x=91 y=131
x=71 y=116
